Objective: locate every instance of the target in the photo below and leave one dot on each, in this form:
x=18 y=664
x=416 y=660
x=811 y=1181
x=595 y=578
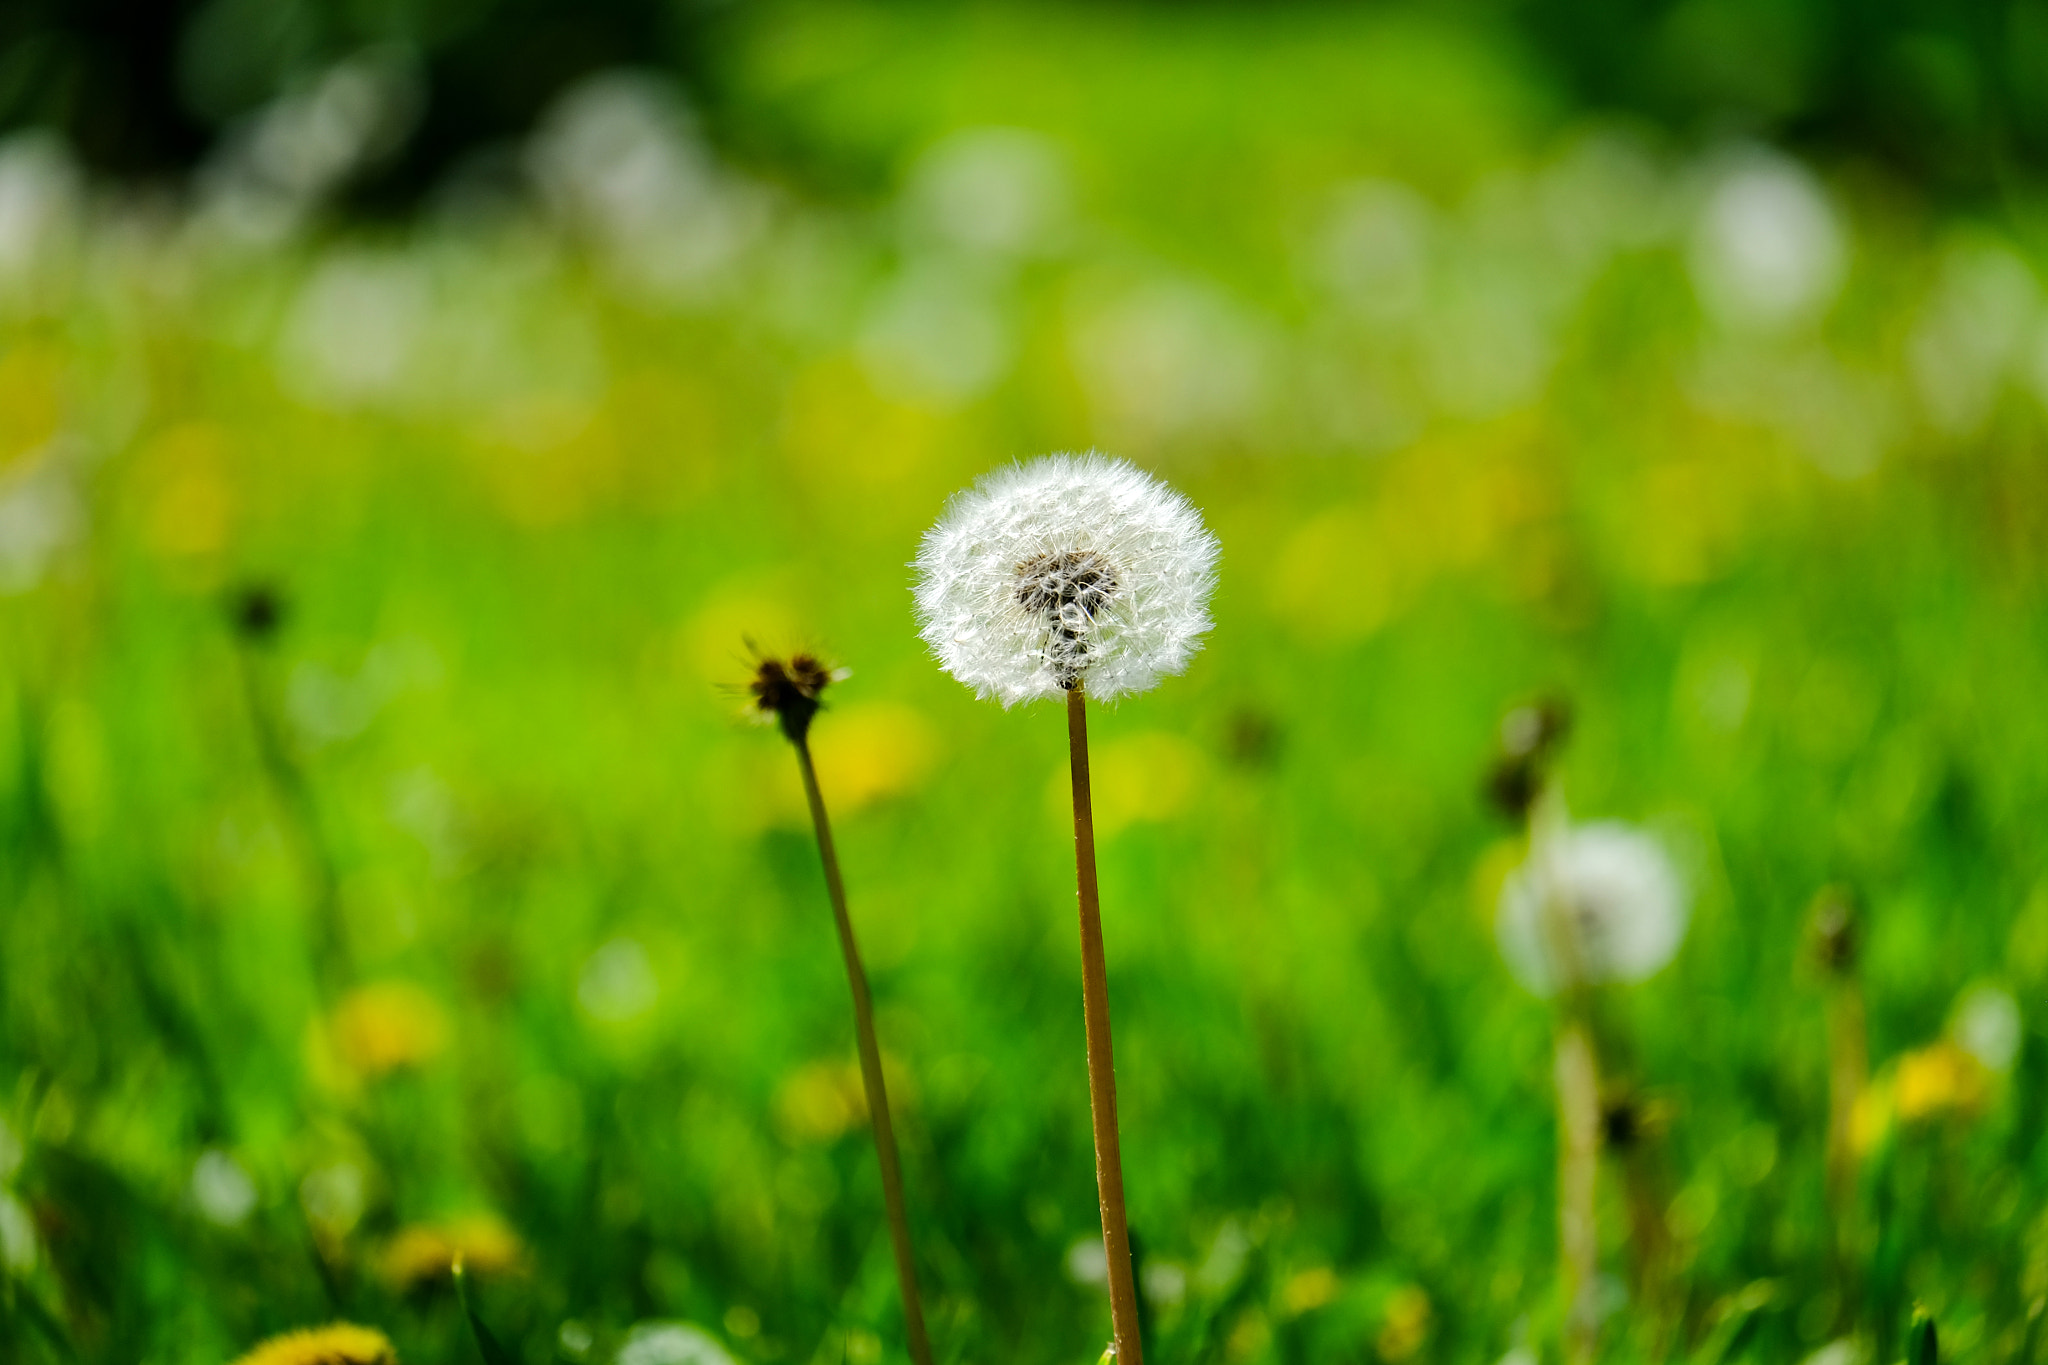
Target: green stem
x=1109 y=1167
x=302 y=819
x=1578 y=1166
x=870 y=1067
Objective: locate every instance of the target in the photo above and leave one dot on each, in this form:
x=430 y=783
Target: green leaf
x=486 y=1344
x=1921 y=1346
x=44 y=1321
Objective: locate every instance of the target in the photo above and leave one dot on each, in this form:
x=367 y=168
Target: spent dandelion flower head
x=257 y=612
x=1593 y=903
x=790 y=690
x=1064 y=570
x=1530 y=737
x=1836 y=933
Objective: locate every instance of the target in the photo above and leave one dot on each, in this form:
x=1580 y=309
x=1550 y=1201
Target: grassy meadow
x=465 y=910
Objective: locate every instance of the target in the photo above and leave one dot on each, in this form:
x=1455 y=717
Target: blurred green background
x=1685 y=360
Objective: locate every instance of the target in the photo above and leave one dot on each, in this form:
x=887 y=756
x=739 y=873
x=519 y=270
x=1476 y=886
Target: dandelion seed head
x=1596 y=902
x=1068 y=570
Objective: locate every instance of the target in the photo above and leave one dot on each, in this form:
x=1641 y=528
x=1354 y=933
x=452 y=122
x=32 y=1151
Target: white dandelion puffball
x=1595 y=902
x=1072 y=570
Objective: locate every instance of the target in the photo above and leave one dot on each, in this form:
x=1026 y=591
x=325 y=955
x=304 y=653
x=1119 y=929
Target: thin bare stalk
x=1578 y=1166
x=1577 y=1073
x=302 y=820
x=1643 y=1187
x=1848 y=1069
x=1109 y=1166
x=870 y=1067
x=1848 y=1074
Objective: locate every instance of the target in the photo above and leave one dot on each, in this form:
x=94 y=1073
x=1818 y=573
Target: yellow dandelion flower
x=1870 y=1120
x=1147 y=777
x=387 y=1026
x=340 y=1343
x=1310 y=1289
x=425 y=1251
x=1407 y=1324
x=821 y=1100
x=1937 y=1079
x=870 y=752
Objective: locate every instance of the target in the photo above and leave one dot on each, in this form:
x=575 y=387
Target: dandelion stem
x=302 y=819
x=1848 y=1073
x=1109 y=1169
x=870 y=1066
x=1578 y=1165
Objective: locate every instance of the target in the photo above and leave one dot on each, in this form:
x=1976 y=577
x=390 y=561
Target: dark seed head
x=789 y=690
x=1069 y=589
x=1632 y=1118
x=1529 y=738
x=257 y=611
x=1835 y=930
x=1511 y=785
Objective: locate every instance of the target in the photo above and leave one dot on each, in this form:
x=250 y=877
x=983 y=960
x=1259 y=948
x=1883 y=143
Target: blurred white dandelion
x=19 y=1247
x=333 y=1197
x=1069 y=568
x=221 y=1189
x=277 y=166
x=938 y=333
x=618 y=982
x=1768 y=250
x=1087 y=1263
x=356 y=330
x=1170 y=359
x=1595 y=902
x=621 y=160
x=1972 y=334
x=1987 y=1025
x=1377 y=250
x=1003 y=191
x=42 y=513
x=40 y=192
x=671 y=1343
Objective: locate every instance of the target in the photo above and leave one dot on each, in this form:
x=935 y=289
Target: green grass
x=518 y=573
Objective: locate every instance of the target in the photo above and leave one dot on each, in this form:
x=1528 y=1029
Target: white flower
x=19 y=1249
x=1069 y=569
x=1596 y=902
x=222 y=1189
x=671 y=1343
x=1986 y=1024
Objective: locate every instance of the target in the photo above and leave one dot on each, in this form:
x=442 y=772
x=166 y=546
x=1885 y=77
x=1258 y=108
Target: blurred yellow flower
x=341 y=1343
x=1926 y=1083
x=190 y=496
x=1310 y=1289
x=31 y=398
x=713 y=644
x=1332 y=581
x=1144 y=777
x=1406 y=1326
x=836 y=427
x=426 y=1251
x=821 y=1100
x=1938 y=1079
x=870 y=751
x=385 y=1026
x=1870 y=1120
